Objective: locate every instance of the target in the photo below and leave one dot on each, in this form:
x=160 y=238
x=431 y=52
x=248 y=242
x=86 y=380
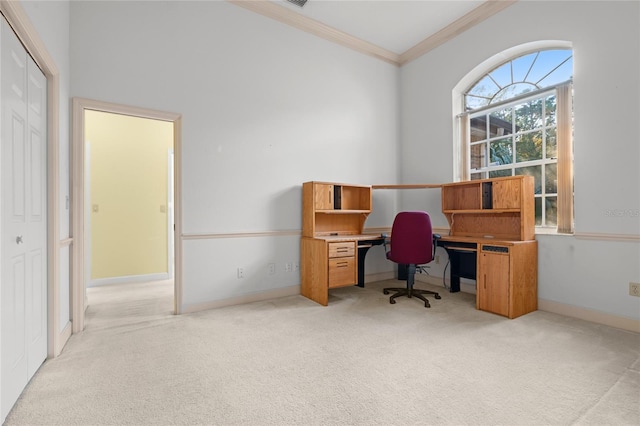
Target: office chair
x=412 y=244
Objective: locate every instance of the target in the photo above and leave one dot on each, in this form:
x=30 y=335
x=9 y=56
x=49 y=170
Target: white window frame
x=543 y=162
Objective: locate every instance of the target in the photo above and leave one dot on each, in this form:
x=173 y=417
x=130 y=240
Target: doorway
x=128 y=199
x=87 y=209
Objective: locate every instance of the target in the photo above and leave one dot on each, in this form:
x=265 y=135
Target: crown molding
x=457 y=27
x=282 y=14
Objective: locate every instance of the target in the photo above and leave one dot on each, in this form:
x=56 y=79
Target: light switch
x=95 y=208
x=163 y=208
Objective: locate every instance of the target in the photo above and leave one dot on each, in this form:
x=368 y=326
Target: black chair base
x=410 y=292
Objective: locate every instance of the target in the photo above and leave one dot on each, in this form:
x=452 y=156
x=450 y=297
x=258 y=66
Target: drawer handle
x=343 y=250
x=342 y=264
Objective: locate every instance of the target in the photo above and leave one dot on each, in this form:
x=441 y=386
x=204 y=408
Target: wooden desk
x=333 y=262
x=506 y=272
x=333 y=216
x=493 y=219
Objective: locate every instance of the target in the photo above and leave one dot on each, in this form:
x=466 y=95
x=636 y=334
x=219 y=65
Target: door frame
x=78 y=278
x=26 y=32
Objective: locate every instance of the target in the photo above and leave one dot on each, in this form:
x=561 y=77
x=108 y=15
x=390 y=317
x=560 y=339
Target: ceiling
x=395 y=25
x=393 y=30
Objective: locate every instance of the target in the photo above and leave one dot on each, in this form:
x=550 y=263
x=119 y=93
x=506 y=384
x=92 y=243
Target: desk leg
x=454 y=278
x=362 y=252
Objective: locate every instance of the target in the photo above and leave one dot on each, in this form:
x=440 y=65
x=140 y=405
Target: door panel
x=16 y=170
x=37 y=191
x=14 y=358
x=16 y=314
x=36 y=311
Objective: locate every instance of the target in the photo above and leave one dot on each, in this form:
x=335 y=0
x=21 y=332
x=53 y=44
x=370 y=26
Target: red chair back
x=411 y=238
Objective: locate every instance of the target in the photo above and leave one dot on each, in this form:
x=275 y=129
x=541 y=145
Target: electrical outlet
x=272 y=268
x=634 y=289
x=288 y=267
x=240 y=273
x=296 y=266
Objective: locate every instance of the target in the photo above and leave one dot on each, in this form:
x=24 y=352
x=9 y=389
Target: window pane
x=529 y=147
x=500 y=123
x=513 y=91
x=501 y=152
x=485 y=87
x=538 y=203
x=563 y=73
x=500 y=173
x=551 y=211
x=474 y=102
x=478 y=128
x=551 y=179
x=536 y=172
x=552 y=143
x=476 y=176
x=546 y=62
x=529 y=115
x=550 y=111
x=502 y=74
x=522 y=65
x=478 y=156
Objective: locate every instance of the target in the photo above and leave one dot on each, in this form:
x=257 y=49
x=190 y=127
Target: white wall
x=51 y=21
x=586 y=273
x=265 y=107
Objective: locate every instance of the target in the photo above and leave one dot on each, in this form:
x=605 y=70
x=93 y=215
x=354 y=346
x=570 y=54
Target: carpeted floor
x=358 y=361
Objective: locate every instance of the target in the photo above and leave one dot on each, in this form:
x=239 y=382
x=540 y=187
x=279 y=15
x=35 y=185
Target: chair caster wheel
x=392 y=301
x=426 y=305
x=437 y=296
x=385 y=292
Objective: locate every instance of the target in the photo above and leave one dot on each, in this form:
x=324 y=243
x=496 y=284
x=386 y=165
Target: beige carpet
x=359 y=361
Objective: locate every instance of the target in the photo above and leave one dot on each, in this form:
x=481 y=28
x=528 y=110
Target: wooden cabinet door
x=323 y=196
x=506 y=194
x=493 y=283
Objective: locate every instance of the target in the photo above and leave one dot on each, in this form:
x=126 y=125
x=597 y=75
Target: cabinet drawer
x=342 y=272
x=344 y=249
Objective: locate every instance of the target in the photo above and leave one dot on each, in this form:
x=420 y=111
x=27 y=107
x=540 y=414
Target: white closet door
x=23 y=218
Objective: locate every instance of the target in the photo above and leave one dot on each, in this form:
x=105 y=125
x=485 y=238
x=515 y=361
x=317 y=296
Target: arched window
x=524 y=74
x=518 y=121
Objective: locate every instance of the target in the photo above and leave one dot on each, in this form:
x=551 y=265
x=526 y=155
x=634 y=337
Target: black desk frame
x=462 y=261
x=363 y=248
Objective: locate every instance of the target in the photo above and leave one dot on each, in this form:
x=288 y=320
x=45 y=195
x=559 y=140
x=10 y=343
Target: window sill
x=551 y=231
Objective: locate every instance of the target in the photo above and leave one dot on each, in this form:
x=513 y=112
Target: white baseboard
x=128 y=279
x=556 y=308
x=589 y=315
x=543 y=305
x=380 y=276
x=63 y=339
x=245 y=298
